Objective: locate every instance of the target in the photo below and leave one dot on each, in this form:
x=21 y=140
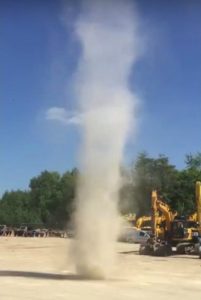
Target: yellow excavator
x=193 y=217
x=184 y=234
x=196 y=216
x=145 y=223
x=198 y=205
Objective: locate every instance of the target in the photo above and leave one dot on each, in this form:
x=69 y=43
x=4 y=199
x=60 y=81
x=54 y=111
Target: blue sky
x=39 y=54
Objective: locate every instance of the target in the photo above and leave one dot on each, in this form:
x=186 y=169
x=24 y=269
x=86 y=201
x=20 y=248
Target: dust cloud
x=107 y=31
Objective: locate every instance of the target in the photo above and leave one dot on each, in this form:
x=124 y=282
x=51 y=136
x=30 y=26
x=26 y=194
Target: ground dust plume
x=107 y=33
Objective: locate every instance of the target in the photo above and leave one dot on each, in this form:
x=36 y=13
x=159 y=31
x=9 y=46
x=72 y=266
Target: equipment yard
x=38 y=269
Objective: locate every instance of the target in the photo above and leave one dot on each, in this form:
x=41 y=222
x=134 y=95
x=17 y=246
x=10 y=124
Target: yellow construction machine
x=145 y=223
x=184 y=234
x=198 y=205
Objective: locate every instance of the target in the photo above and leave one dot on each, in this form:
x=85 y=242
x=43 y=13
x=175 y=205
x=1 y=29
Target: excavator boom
x=198 y=201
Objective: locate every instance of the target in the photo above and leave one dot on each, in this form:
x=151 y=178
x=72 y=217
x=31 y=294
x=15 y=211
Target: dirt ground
x=39 y=268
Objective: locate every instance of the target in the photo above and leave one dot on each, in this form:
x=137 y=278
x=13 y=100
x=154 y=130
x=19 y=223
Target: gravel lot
x=40 y=269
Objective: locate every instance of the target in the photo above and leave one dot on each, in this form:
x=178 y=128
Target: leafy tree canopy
x=50 y=198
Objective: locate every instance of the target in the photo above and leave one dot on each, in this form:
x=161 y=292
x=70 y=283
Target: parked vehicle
x=25 y=231
x=133 y=235
x=3 y=230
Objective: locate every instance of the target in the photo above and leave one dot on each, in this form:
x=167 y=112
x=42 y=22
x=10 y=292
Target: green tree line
x=50 y=199
x=176 y=187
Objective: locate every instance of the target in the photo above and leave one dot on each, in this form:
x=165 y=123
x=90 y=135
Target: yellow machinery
x=162 y=229
x=183 y=234
x=160 y=219
x=198 y=202
x=167 y=214
x=175 y=230
x=193 y=217
x=145 y=223
x=196 y=216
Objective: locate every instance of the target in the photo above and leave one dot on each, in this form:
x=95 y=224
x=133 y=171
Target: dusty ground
x=38 y=269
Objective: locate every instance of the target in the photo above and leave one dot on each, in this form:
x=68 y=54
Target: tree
x=66 y=206
x=53 y=196
x=193 y=161
x=148 y=174
x=45 y=195
x=50 y=199
x=182 y=193
x=126 y=196
x=183 y=190
x=15 y=209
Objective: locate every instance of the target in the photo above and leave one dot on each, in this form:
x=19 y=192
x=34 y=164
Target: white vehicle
x=133 y=235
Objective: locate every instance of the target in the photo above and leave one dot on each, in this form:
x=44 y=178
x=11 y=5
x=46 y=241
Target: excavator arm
x=141 y=220
x=158 y=205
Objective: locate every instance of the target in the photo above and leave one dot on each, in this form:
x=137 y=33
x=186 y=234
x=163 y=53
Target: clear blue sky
x=38 y=56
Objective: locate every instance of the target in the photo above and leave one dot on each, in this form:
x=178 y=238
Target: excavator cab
x=183 y=230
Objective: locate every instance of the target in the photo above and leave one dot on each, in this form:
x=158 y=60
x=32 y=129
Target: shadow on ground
x=40 y=275
x=129 y=252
